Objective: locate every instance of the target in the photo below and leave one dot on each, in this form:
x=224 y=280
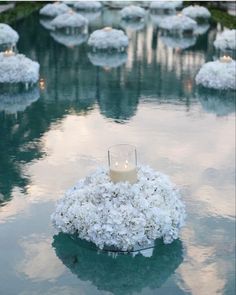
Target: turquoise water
x=51 y=138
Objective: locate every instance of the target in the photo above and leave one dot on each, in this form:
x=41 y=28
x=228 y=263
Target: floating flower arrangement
x=132 y=12
x=17 y=68
x=219 y=74
x=226 y=40
x=70 y=21
x=178 y=24
x=53 y=10
x=87 y=5
x=196 y=12
x=108 y=39
x=121 y=215
x=8 y=36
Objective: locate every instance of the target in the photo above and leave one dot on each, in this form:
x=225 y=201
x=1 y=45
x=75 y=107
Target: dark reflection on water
x=123 y=274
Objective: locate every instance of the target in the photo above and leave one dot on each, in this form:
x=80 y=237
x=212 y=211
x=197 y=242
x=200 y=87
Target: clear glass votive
x=122 y=159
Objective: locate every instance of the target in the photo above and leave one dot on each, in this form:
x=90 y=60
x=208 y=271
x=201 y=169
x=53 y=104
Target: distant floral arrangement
x=121 y=215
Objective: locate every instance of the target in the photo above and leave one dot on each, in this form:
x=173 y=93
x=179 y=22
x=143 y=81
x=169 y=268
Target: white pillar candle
x=123 y=172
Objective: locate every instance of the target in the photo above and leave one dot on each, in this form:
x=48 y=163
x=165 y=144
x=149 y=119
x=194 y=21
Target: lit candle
x=107 y=29
x=179 y=14
x=9 y=53
x=42 y=84
x=122 y=162
x=225 y=59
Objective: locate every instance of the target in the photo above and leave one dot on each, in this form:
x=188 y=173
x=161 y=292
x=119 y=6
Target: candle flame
x=116 y=164
x=42 y=84
x=107 y=29
x=9 y=52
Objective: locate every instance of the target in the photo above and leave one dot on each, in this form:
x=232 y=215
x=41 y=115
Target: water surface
x=55 y=137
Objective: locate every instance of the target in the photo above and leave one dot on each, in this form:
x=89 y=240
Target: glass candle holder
x=122 y=159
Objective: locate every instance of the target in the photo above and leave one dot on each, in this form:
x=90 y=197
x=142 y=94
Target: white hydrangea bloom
x=18 y=69
x=132 y=12
x=69 y=19
x=87 y=5
x=121 y=215
x=217 y=75
x=196 y=11
x=108 y=39
x=178 y=23
x=166 y=4
x=8 y=35
x=53 y=10
x=226 y=40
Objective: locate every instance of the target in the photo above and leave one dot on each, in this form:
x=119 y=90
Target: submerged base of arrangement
x=122 y=216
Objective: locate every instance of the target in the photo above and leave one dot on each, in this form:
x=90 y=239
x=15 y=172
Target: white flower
x=121 y=215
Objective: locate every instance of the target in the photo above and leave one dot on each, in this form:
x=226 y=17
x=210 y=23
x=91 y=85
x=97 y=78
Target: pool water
x=54 y=137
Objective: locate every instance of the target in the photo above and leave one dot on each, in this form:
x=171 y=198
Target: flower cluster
x=108 y=39
x=69 y=19
x=121 y=215
x=53 y=10
x=18 y=69
x=178 y=23
x=87 y=5
x=196 y=11
x=8 y=35
x=226 y=40
x=132 y=12
x=217 y=75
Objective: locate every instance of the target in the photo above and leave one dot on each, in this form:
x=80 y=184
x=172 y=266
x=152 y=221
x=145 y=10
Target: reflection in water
x=62 y=136
x=13 y=102
x=132 y=25
x=106 y=59
x=69 y=40
x=178 y=41
x=123 y=274
x=221 y=104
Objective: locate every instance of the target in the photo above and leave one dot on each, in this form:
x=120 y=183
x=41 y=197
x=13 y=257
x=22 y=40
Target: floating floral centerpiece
x=132 y=12
x=218 y=74
x=125 y=208
x=108 y=39
x=8 y=37
x=16 y=68
x=71 y=21
x=53 y=10
x=226 y=40
x=165 y=7
x=196 y=12
x=178 y=24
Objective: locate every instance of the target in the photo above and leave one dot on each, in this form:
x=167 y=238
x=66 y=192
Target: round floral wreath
x=121 y=215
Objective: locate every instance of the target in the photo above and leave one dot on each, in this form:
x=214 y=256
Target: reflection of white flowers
x=226 y=40
x=69 y=40
x=12 y=103
x=132 y=12
x=121 y=215
x=107 y=59
x=8 y=35
x=107 y=39
x=196 y=11
x=217 y=75
x=18 y=69
x=178 y=42
x=53 y=10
